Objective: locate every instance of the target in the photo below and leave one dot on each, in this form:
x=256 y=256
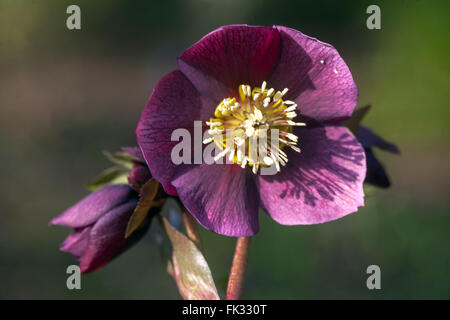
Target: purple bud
x=99 y=221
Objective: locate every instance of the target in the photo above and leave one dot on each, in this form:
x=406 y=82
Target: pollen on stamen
x=237 y=125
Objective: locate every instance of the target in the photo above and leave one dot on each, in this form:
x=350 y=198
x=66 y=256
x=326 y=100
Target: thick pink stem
x=238 y=267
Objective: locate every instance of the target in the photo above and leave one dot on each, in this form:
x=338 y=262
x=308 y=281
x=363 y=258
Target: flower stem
x=238 y=267
x=191 y=229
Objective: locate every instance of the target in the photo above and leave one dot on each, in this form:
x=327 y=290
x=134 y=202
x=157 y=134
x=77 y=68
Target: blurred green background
x=67 y=95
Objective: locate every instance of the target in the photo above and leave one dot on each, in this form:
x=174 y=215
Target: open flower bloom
x=376 y=174
x=99 y=222
x=244 y=80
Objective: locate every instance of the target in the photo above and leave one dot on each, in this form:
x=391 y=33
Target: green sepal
x=146 y=196
x=355 y=121
x=121 y=158
x=112 y=175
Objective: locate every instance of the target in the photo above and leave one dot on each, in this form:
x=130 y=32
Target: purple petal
x=76 y=242
x=324 y=182
x=174 y=104
x=138 y=176
x=223 y=198
x=107 y=237
x=370 y=139
x=92 y=207
x=230 y=56
x=318 y=79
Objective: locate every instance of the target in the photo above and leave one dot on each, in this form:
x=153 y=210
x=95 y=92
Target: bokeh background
x=67 y=95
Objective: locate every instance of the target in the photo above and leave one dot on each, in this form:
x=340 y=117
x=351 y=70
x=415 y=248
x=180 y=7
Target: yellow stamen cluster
x=243 y=129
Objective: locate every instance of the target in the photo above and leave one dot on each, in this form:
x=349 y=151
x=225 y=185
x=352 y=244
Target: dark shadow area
x=322 y=169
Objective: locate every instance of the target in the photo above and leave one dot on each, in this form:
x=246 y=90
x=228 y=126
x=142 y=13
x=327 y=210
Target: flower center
x=254 y=130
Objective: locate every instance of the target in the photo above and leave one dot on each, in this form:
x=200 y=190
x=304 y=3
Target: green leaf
x=121 y=158
x=113 y=175
x=147 y=194
x=355 y=121
x=189 y=267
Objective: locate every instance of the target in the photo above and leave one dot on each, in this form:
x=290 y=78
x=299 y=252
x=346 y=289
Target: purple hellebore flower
x=214 y=83
x=99 y=222
x=376 y=174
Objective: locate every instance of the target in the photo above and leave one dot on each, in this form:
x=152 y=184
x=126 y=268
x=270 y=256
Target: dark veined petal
x=107 y=237
x=324 y=182
x=230 y=56
x=174 y=104
x=95 y=205
x=223 y=198
x=318 y=79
